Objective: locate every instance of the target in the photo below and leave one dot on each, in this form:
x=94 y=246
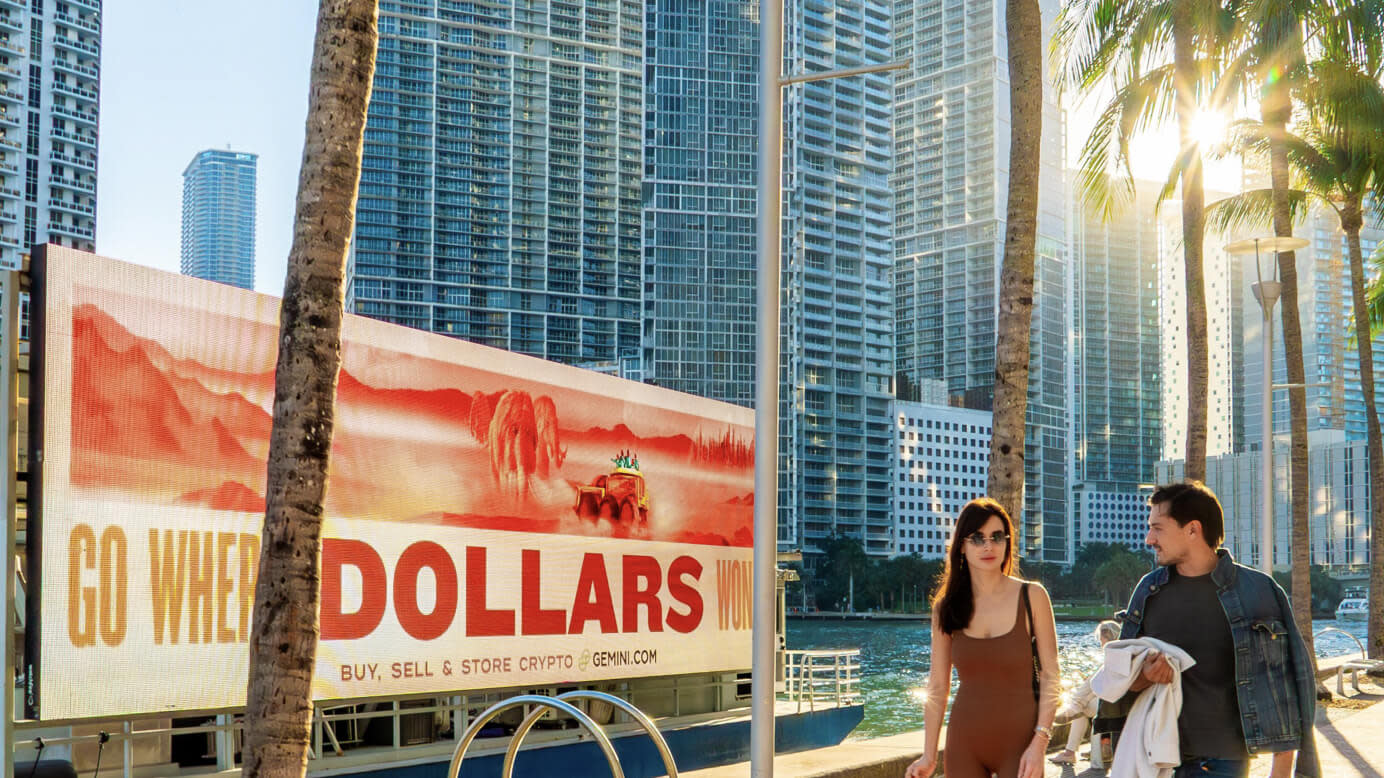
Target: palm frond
x=1254 y=210
x=1374 y=294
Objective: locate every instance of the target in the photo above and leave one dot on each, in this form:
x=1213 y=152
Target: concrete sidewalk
x=1350 y=743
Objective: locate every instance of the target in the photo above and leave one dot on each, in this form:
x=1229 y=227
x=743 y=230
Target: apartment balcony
x=10 y=22
x=85 y=162
x=75 y=184
x=11 y=47
x=86 y=233
x=9 y=217
x=78 y=22
x=16 y=5
x=78 y=92
x=8 y=95
x=77 y=45
x=55 y=203
x=76 y=114
x=9 y=168
x=8 y=241
x=82 y=139
x=76 y=68
x=90 y=5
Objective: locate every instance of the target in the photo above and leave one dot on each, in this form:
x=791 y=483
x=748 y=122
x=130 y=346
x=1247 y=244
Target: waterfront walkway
x=1351 y=743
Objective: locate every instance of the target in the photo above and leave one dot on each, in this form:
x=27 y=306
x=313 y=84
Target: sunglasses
x=978 y=540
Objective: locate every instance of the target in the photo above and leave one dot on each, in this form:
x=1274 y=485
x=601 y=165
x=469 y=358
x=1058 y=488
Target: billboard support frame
x=9 y=423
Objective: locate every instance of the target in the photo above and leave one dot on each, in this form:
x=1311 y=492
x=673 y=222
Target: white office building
x=942 y=460
x=1339 y=509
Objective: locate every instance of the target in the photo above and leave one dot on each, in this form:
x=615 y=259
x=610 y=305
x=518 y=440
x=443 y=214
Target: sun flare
x=1209 y=129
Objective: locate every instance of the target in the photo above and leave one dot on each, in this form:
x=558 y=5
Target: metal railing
x=821 y=677
x=333 y=720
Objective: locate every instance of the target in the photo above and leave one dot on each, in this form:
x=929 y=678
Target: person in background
x=1081 y=704
x=1252 y=689
x=993 y=627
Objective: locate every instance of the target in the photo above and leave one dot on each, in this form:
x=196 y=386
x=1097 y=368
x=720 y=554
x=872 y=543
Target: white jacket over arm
x=1148 y=746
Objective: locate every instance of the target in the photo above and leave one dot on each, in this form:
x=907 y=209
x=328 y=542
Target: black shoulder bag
x=1032 y=641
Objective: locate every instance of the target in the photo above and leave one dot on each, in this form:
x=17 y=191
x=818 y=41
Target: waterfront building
x=700 y=246
x=1116 y=410
x=1334 y=397
x=950 y=180
x=1339 y=513
x=50 y=60
x=1227 y=317
x=218 y=241
x=942 y=457
x=500 y=188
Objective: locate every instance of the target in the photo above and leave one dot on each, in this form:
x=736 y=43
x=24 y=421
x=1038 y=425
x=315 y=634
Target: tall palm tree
x=1166 y=58
x=1024 y=28
x=283 y=641
x=1274 y=32
x=1336 y=155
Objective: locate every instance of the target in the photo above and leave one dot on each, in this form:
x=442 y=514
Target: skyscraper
x=951 y=172
x=500 y=191
x=50 y=59
x=700 y=248
x=1334 y=397
x=1227 y=318
x=1116 y=410
x=219 y=217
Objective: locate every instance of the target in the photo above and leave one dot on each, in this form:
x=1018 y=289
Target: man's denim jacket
x=1273 y=674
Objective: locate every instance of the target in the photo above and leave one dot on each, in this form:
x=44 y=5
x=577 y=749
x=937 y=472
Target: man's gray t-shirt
x=1187 y=614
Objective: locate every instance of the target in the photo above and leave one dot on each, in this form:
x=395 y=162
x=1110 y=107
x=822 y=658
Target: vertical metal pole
x=9 y=428
x=1266 y=300
x=766 y=394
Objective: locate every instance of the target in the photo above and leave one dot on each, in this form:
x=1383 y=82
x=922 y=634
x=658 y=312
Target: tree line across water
x=1103 y=576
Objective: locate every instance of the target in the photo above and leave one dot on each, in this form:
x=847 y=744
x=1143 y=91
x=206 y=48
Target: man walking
x=1251 y=690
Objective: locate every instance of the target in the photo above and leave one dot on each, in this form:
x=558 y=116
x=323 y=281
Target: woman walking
x=998 y=632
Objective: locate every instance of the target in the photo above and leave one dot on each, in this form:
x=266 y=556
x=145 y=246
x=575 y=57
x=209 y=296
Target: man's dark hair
x=1193 y=501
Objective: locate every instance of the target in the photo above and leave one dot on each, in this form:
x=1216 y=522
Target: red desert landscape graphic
x=480 y=449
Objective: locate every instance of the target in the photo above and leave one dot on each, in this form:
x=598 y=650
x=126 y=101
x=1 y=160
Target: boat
x=1353 y=608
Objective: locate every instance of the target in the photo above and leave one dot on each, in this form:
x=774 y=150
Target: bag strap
x=1032 y=639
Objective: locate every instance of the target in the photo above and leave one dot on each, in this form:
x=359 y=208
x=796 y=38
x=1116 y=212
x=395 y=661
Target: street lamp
x=1267 y=293
x=769 y=172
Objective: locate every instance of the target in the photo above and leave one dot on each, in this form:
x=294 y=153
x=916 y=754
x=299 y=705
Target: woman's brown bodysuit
x=994 y=714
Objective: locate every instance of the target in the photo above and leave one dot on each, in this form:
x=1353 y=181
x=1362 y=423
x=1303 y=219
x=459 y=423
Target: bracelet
x=1044 y=731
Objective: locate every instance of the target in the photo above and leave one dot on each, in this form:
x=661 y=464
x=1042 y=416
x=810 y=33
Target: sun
x=1209 y=129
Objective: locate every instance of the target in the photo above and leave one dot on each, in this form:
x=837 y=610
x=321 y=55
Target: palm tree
x=1130 y=41
x=1336 y=157
x=1024 y=28
x=283 y=642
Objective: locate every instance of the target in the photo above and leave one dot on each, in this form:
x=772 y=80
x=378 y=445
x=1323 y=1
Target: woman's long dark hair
x=954 y=602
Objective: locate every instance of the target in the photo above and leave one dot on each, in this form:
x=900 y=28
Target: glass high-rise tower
x=951 y=173
x=835 y=461
x=219 y=217
x=500 y=192
x=50 y=68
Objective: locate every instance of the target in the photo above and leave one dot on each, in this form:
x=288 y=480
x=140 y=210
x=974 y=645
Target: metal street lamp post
x=770 y=199
x=1267 y=293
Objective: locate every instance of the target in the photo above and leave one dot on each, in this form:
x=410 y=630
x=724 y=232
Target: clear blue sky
x=178 y=77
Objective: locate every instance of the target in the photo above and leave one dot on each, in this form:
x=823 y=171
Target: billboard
x=492 y=519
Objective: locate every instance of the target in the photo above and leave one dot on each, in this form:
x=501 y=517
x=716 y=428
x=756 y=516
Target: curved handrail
x=590 y=694
x=1363 y=654
x=454 y=769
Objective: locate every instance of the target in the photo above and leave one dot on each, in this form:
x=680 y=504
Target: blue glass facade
x=218 y=241
x=500 y=192
x=700 y=247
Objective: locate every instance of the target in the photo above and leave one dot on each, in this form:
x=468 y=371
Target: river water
x=894 y=661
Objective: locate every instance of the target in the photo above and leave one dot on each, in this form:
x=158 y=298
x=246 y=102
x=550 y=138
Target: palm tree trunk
x=283 y=642
x=1023 y=26
x=1351 y=221
x=1193 y=235
x=1275 y=111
